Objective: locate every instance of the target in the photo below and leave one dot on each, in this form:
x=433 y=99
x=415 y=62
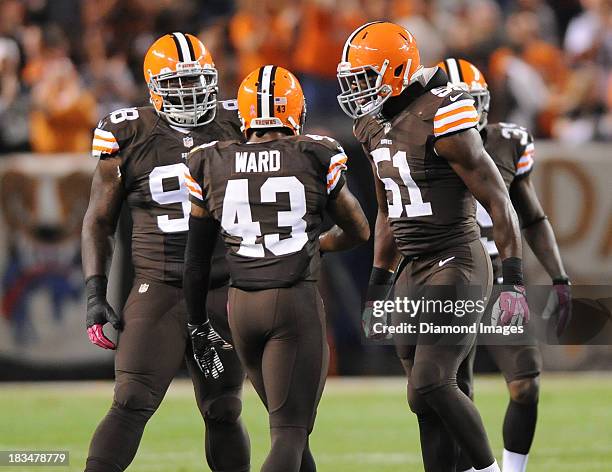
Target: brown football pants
x=280 y=338
x=439 y=367
x=152 y=346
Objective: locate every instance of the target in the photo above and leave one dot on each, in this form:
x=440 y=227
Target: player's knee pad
x=135 y=396
x=525 y=391
x=225 y=409
x=466 y=386
x=416 y=402
x=288 y=436
x=427 y=376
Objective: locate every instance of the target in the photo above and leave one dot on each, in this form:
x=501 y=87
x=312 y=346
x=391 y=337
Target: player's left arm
x=536 y=228
x=201 y=239
x=540 y=236
x=466 y=154
x=351 y=228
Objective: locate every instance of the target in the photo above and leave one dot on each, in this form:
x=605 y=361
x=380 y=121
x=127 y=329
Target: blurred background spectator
x=63 y=111
x=588 y=45
x=262 y=32
x=65 y=64
x=323 y=29
x=13 y=110
x=421 y=18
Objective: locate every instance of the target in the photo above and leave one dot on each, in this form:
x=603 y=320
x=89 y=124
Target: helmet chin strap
x=294 y=124
x=406 y=81
x=381 y=74
x=423 y=75
x=372 y=106
x=482 y=121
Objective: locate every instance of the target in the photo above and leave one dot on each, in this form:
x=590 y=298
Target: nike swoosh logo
x=452 y=99
x=444 y=261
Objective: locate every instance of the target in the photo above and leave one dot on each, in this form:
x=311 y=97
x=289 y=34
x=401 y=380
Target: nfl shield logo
x=188 y=141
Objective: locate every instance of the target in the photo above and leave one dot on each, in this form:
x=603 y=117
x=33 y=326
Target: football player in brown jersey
x=512 y=148
x=268 y=197
x=141 y=154
x=429 y=162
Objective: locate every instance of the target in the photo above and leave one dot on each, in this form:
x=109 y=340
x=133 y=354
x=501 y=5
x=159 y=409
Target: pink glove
x=511 y=307
x=97 y=337
x=99 y=312
x=559 y=304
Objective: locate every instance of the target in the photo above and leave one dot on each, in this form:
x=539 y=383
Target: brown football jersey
x=153 y=155
x=430 y=208
x=511 y=147
x=269 y=198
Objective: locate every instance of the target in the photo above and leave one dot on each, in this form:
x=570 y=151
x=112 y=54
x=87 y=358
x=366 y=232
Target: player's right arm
x=100 y=220
x=386 y=256
x=99 y=226
x=111 y=139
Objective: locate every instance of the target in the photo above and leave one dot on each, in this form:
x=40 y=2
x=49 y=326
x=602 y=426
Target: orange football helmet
x=466 y=75
x=271 y=97
x=182 y=80
x=378 y=61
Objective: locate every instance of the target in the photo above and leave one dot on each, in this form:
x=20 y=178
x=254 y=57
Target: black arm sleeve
x=201 y=241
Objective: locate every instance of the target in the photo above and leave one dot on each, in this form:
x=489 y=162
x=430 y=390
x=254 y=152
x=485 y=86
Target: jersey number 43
x=237 y=219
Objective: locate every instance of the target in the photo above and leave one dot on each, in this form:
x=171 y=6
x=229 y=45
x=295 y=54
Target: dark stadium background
x=64 y=64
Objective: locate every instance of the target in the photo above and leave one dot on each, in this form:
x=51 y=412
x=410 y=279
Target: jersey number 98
x=176 y=192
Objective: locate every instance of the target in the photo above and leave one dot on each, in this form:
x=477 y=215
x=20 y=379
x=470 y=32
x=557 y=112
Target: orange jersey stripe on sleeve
x=340 y=163
x=106 y=149
x=467 y=108
x=333 y=181
x=193 y=187
x=103 y=138
x=464 y=123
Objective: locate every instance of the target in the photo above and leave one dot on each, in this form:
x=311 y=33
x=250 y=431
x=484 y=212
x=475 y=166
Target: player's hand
x=511 y=307
x=99 y=312
x=368 y=320
x=379 y=288
x=559 y=304
x=205 y=341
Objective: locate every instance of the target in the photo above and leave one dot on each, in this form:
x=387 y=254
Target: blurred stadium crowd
x=66 y=63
